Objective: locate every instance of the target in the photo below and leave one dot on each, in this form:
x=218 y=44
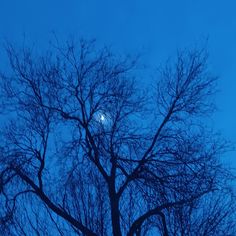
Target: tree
x=87 y=151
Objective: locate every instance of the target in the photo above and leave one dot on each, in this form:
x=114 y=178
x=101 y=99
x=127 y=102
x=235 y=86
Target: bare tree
x=87 y=151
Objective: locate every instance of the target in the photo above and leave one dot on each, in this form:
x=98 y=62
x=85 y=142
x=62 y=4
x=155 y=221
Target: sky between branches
x=154 y=28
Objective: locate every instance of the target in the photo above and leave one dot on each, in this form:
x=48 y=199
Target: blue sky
x=153 y=28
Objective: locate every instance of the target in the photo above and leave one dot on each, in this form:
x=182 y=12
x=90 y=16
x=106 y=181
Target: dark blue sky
x=152 y=27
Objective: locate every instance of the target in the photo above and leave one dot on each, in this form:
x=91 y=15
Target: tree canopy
x=87 y=150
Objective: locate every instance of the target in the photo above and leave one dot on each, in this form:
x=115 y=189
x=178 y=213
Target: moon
x=102 y=117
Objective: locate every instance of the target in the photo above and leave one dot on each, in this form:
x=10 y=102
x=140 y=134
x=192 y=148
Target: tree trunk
x=115 y=212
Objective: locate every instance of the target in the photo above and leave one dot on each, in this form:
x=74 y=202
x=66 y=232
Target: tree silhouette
x=87 y=151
